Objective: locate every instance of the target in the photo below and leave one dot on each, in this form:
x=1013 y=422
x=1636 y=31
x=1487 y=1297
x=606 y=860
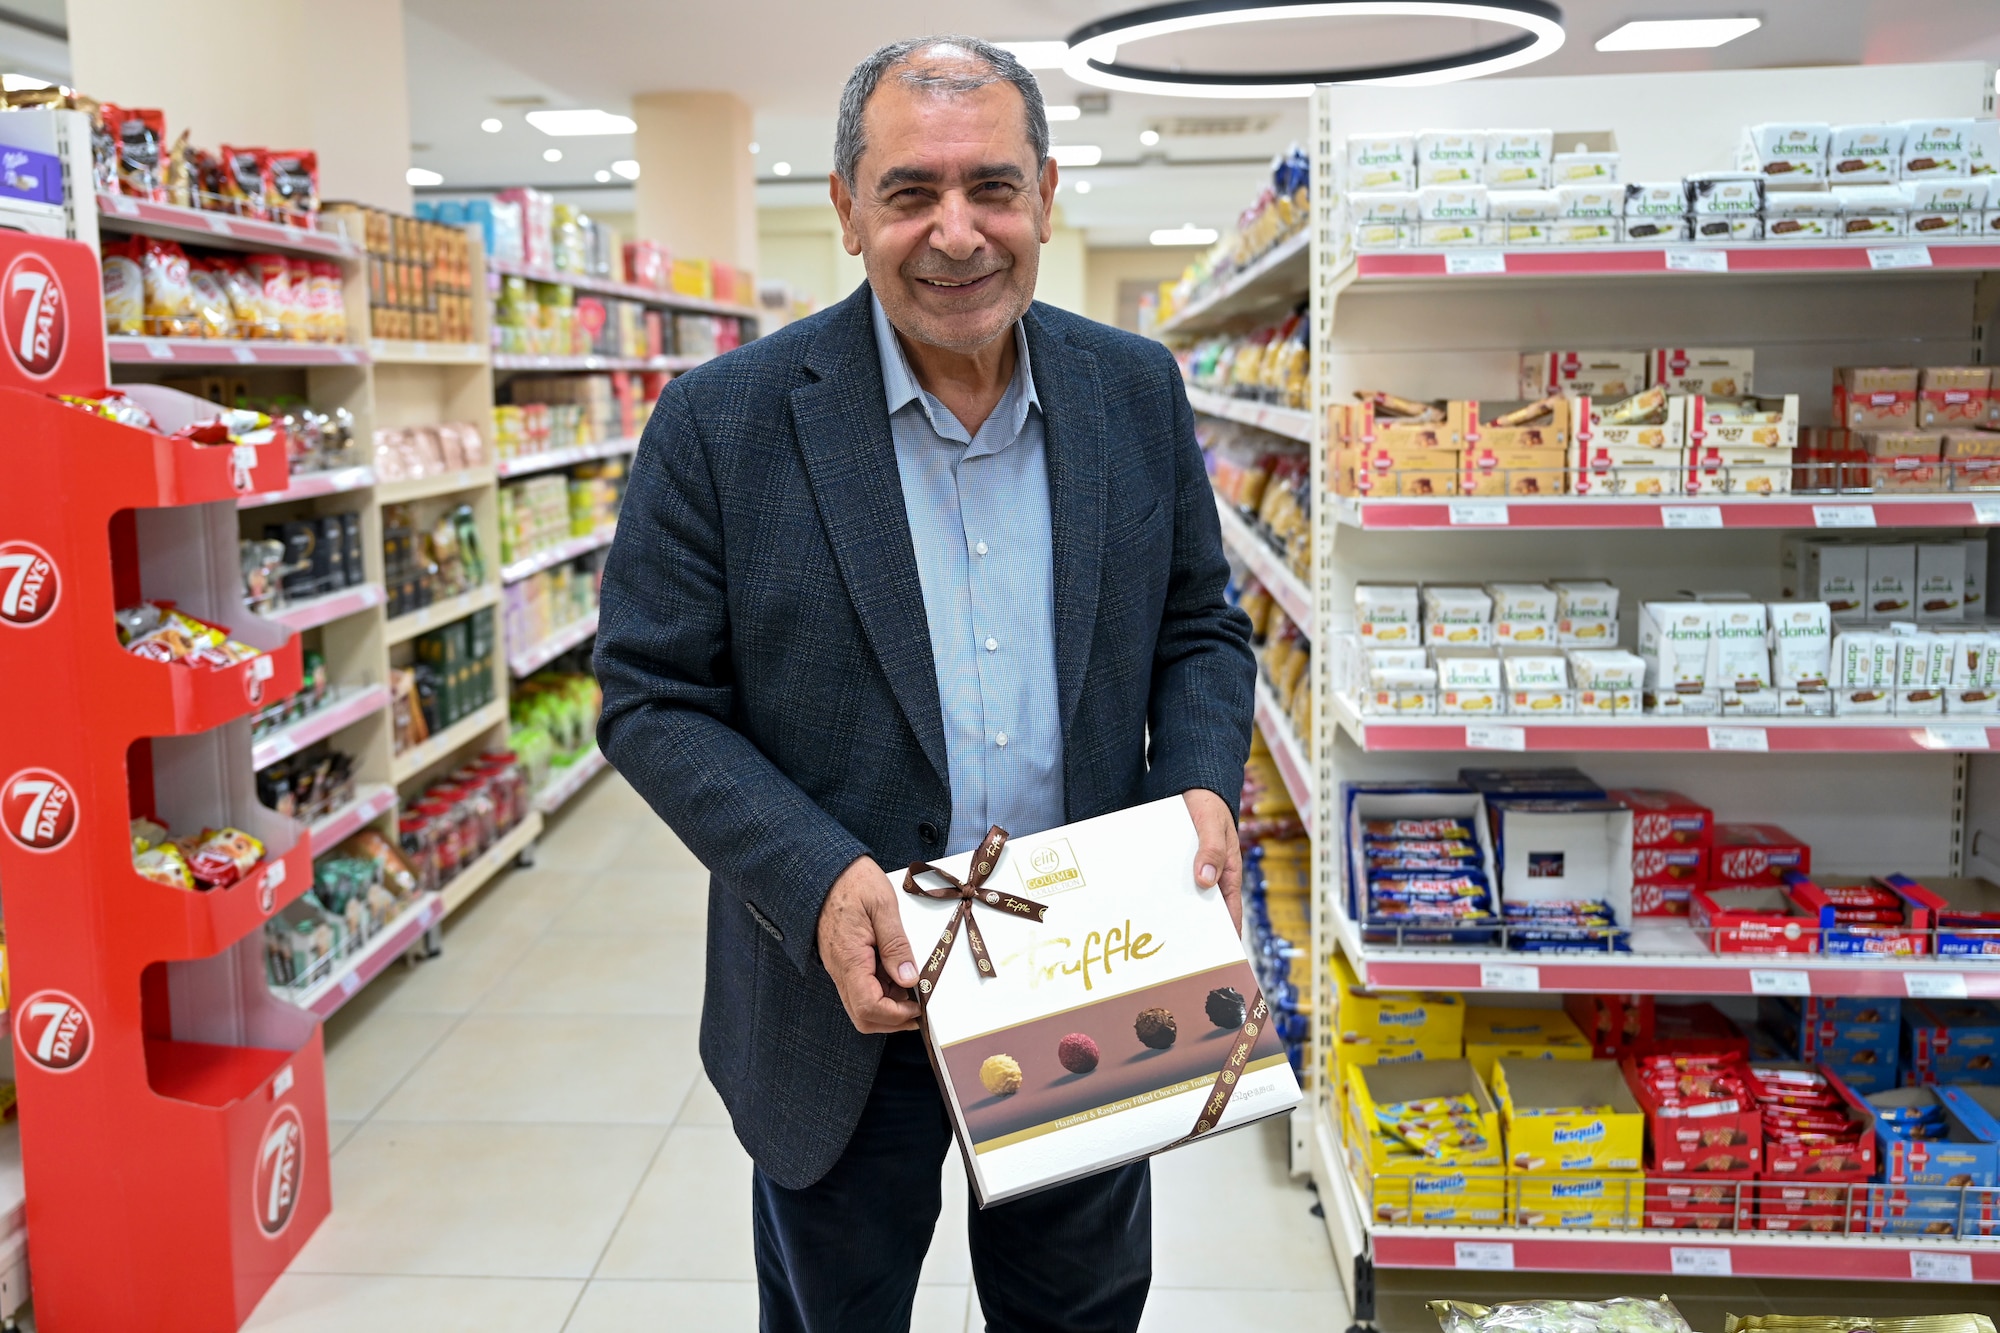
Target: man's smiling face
x=949 y=208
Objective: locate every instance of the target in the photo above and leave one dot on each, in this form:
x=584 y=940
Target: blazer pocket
x=1128 y=530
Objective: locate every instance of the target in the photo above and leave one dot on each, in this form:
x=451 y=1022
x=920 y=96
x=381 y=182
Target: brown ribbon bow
x=968 y=891
x=972 y=889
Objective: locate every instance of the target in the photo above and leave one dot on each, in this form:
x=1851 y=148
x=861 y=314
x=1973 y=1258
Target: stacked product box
x=1856 y=1037
x=1574 y=1135
x=1965 y=913
x=1818 y=1144
x=1671 y=837
x=1939 y=1149
x=1564 y=873
x=1424 y=1143
x=1951 y=1041
x=1669 y=443
x=1385 y=446
x=1390 y=1027
x=1520 y=1036
x=1905 y=429
x=1420 y=863
x=1726 y=656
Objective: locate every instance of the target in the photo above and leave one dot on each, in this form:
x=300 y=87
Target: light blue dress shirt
x=978 y=507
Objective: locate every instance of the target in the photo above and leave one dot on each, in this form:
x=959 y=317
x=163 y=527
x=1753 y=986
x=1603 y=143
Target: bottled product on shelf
x=419 y=275
x=454 y=821
x=546 y=412
x=551 y=319
x=1791 y=182
x=545 y=512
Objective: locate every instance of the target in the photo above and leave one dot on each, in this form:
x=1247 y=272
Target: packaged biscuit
x=142 y=146
x=1654 y=231
x=1590 y=201
x=1802 y=216
x=1725 y=194
x=1381 y=162
x=1584 y=169
x=1789 y=155
x=1716 y=372
x=1519 y=159
x=1722 y=230
x=169 y=293
x=1580 y=231
x=1936 y=149
x=1523 y=205
x=124 y=286
x=1523 y=613
x=1592 y=375
x=1387 y=613
x=1655 y=199
x=1385 y=206
x=1867 y=154
x=1452 y=203
x=1450 y=157
x=1674 y=643
x=246 y=181
x=1382 y=235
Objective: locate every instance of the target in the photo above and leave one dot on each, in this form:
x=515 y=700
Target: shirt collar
x=900 y=387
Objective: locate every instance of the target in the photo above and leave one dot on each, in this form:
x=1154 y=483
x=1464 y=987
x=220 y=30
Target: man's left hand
x=1220 y=859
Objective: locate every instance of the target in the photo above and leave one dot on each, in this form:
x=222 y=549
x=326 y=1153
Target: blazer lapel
x=842 y=425
x=1066 y=381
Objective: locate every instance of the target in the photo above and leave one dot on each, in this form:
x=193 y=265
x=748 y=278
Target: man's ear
x=843 y=205
x=1048 y=188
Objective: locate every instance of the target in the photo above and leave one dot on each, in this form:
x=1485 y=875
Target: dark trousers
x=842 y=1255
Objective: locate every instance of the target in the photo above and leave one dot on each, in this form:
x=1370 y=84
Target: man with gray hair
x=935 y=559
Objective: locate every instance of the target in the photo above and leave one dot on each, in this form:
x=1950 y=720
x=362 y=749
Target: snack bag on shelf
x=246 y=181
x=124 y=286
x=169 y=294
x=292 y=185
x=141 y=136
x=214 y=316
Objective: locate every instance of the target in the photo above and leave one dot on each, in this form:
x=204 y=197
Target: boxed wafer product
x=1606 y=375
x=1789 y=155
x=1518 y=159
x=1954 y=396
x=1450 y=157
x=1381 y=162
x=1575 y=1116
x=1717 y=372
x=1093 y=1054
x=1875 y=397
x=1520 y=1034
x=1674 y=643
x=1865 y=154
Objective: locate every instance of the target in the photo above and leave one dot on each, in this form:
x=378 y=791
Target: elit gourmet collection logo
x=1050 y=868
x=280 y=1167
x=38 y=809
x=37 y=315
x=55 y=1031
x=29 y=586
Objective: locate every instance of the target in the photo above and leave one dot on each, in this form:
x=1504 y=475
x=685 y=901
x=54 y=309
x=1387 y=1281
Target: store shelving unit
x=1291 y=422
x=534 y=656
x=569 y=779
x=560 y=554
x=627 y=291
x=548 y=460
x=1868 y=793
x=1917 y=793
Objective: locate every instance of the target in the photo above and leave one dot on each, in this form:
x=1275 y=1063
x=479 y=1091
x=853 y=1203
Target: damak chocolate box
x=1102 y=1031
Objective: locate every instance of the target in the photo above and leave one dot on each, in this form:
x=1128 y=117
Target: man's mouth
x=947 y=284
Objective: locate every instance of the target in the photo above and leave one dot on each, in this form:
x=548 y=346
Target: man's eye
x=991 y=188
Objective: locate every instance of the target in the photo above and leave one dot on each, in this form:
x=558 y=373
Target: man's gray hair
x=1001 y=66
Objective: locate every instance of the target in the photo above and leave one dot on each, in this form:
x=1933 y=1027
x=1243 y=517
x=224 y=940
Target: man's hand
x=861 y=945
x=1220 y=857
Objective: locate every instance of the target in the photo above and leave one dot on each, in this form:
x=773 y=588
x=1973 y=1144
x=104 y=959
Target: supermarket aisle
x=524 y=1142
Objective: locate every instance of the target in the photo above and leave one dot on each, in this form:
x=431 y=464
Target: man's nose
x=954 y=231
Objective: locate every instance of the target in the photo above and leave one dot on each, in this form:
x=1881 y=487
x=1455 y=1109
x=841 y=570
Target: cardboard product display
x=1955 y=396
x=1952 y=1041
x=1085 y=1015
x=1599 y=375
x=1714 y=372
x=1966 y=912
x=1421 y=801
x=1614 y=1025
x=1575 y=1116
x=1898 y=932
x=1520 y=1035
x=1875 y=397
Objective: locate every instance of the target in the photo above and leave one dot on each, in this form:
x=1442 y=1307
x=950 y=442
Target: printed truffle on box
x=1086 y=1004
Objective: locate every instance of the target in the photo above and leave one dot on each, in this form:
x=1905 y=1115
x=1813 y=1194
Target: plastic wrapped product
x=124 y=287
x=142 y=144
x=1620 y=1314
x=224 y=856
x=169 y=295
x=164 y=865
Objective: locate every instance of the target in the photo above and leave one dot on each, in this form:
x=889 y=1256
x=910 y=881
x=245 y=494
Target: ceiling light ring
x=1093 y=47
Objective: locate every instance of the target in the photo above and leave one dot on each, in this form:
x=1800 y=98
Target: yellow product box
x=1520 y=1034
x=1370 y=1088
x=1461 y=1196
x=1430 y=1020
x=1555 y=1116
x=1395 y=470
x=1595 y=1199
x=1502 y=471
x=691 y=277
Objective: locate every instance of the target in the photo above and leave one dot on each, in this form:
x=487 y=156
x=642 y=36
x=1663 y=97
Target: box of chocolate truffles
x=1124 y=1022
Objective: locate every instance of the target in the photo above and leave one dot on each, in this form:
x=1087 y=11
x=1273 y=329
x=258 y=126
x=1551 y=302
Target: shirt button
x=981 y=548
x=992 y=644
x=1001 y=740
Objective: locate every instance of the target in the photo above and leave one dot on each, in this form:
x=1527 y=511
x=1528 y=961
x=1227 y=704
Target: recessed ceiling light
x=491 y=125
x=1676 y=34
x=627 y=168
x=781 y=168
x=1093 y=48
x=1149 y=137
x=423 y=176
x=755 y=148
x=1064 y=112
x=552 y=155
x=1077 y=154
x=1185 y=235
x=588 y=120
x=602 y=177
x=1037 y=55
x=1083 y=187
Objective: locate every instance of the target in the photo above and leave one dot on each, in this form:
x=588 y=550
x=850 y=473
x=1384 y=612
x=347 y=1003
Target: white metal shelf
x=466 y=731
x=1670 y=513
x=131 y=350
x=560 y=554
x=412 y=623
x=1294 y=423
x=312 y=485
x=523 y=464
x=371 y=801
x=429 y=488
x=351 y=973
x=1294 y=764
x=1276 y=278
x=569 y=779
x=398 y=352
x=312 y=612
x=474 y=877
x=693 y=305
x=538 y=655
x=343 y=709
x=201 y=226
x=1285 y=587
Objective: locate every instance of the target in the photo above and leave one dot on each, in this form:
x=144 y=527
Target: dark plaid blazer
x=767 y=672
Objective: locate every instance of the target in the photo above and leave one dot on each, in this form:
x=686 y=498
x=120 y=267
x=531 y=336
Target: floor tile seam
x=397 y=1086
x=625 y=1213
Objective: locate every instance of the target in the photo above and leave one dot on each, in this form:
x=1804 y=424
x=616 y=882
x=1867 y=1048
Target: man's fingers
x=891 y=945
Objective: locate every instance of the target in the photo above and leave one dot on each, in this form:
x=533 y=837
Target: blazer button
x=927 y=831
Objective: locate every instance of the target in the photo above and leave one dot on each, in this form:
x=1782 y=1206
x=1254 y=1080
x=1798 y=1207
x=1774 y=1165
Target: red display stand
x=173 y=1111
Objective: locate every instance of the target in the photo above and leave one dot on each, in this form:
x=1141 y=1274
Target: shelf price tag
x=1489 y=1254
x=1476 y=261
x=1739 y=738
x=1985 y=511
x=1477 y=513
x=1690 y=516
x=1843 y=516
x=1953 y=738
x=123 y=207
x=1935 y=1267
x=274 y=878
x=1899 y=256
x=245 y=356
x=1697 y=261
x=158 y=348
x=1764 y=982
x=349 y=983
x=1934 y=985
x=1496 y=738
x=1700 y=1261
x=219 y=224
x=1509 y=976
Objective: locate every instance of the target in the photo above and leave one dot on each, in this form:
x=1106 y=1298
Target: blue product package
x=1563 y=783
x=1952 y=1041
x=26 y=174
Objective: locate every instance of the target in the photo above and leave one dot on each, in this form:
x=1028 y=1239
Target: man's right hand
x=861 y=944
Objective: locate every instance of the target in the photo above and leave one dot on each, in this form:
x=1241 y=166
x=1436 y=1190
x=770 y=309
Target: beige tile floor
x=524 y=1142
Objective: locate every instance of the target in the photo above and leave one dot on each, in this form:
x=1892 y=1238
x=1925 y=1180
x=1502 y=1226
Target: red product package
x=1693 y=1030
x=1752 y=918
x=1614 y=1023
x=291 y=178
x=142 y=150
x=1666 y=818
x=1757 y=853
x=1718 y=1135
x=1665 y=878
x=1708 y=1201
x=246 y=181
